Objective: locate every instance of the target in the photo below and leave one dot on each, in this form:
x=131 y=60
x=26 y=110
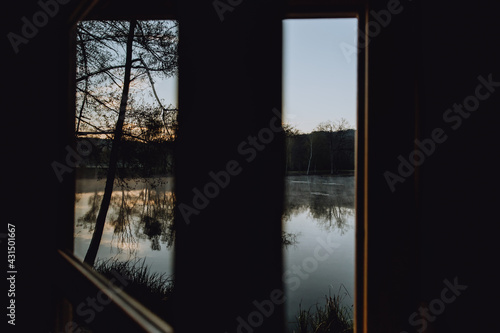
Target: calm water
x=318 y=225
x=137 y=225
x=319 y=212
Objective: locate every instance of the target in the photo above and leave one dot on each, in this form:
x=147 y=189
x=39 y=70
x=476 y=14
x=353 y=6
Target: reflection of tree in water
x=288 y=238
x=329 y=200
x=123 y=206
x=146 y=213
x=329 y=210
x=156 y=216
x=89 y=218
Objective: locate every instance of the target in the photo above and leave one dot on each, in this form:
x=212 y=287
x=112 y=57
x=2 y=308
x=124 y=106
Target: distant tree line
x=137 y=159
x=328 y=149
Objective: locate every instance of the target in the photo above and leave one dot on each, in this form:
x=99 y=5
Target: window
x=127 y=228
x=319 y=216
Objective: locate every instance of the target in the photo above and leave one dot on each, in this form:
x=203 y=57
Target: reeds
x=332 y=317
x=152 y=289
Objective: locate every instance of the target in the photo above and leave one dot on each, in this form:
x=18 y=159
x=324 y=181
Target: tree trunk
x=331 y=154
x=113 y=160
x=311 y=155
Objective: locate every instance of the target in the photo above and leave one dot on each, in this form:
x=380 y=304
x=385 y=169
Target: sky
x=319 y=79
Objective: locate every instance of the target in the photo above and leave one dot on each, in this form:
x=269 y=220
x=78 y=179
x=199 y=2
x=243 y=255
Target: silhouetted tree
x=310 y=141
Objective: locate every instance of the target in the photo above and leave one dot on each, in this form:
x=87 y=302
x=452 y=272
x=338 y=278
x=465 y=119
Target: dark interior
x=437 y=225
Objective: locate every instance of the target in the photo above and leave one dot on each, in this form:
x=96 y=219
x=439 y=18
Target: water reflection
x=289 y=238
x=156 y=216
x=140 y=225
x=328 y=200
x=121 y=219
x=141 y=209
x=317 y=209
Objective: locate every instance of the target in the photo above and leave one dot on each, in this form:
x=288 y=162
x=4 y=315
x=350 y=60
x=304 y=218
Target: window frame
x=351 y=9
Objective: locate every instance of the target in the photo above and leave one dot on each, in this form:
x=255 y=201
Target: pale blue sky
x=319 y=82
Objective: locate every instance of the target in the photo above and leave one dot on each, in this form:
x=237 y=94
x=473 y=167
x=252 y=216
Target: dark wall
x=34 y=87
x=437 y=222
x=229 y=255
x=458 y=197
x=393 y=57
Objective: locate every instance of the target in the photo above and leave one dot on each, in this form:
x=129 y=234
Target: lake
x=318 y=226
x=319 y=213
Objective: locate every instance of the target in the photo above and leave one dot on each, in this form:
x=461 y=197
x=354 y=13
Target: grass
x=332 y=317
x=152 y=289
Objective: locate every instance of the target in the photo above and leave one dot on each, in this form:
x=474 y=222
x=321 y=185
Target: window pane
x=126 y=111
x=319 y=103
